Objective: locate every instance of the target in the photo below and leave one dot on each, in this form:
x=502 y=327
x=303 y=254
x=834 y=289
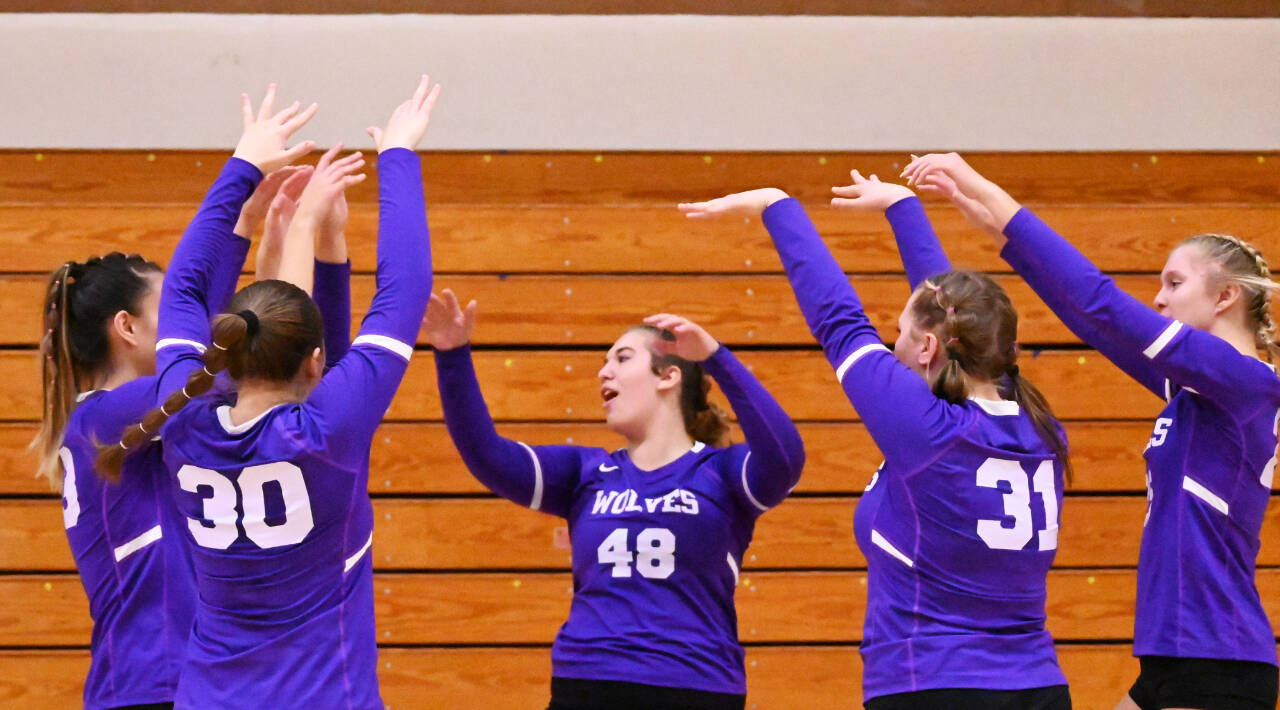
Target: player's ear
x=929 y=345
x=315 y=364
x=670 y=377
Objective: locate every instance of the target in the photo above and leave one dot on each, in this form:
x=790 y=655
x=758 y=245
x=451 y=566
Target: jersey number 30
x=1017 y=505
x=655 y=554
x=220 y=507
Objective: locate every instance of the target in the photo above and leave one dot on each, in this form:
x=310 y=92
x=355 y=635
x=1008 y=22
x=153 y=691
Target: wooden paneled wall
x=563 y=251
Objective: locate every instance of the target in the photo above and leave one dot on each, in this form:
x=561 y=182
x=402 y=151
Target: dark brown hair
x=79 y=305
x=270 y=328
x=703 y=420
x=977 y=327
x=1242 y=263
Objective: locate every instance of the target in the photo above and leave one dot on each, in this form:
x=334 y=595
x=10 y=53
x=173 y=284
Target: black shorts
x=1204 y=683
x=577 y=694
x=1052 y=697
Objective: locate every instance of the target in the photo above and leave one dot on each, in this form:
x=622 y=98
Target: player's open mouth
x=607 y=394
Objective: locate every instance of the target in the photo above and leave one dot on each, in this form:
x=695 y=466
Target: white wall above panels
x=653 y=82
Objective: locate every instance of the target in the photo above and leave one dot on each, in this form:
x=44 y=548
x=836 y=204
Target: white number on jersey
x=655 y=555
x=1017 y=505
x=70 y=496
x=220 y=508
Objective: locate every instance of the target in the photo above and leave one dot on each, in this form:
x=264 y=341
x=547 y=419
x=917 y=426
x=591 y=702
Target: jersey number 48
x=655 y=555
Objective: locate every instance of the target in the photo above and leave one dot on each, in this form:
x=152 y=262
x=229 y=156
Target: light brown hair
x=703 y=420
x=270 y=329
x=977 y=328
x=1242 y=263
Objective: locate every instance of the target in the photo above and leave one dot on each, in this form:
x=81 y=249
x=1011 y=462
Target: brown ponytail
x=229 y=333
x=703 y=420
x=975 y=322
x=58 y=376
x=80 y=303
x=274 y=326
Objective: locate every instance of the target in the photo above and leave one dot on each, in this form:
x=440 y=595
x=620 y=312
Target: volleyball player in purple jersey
x=99 y=361
x=274 y=487
x=959 y=525
x=658 y=528
x=1201 y=635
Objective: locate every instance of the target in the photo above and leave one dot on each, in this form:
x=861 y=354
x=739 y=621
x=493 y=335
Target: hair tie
x=1013 y=371
x=951 y=310
x=250 y=321
x=952 y=339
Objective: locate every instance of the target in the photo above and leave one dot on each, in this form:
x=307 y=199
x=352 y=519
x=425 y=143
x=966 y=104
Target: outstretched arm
x=206 y=255
x=918 y=245
x=354 y=395
x=896 y=404
x=538 y=477
x=1086 y=300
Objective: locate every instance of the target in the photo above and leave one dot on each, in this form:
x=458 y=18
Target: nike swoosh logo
x=606 y=469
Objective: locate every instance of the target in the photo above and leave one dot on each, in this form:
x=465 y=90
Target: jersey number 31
x=1017 y=505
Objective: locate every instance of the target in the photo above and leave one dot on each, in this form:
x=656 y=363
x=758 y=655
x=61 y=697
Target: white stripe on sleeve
x=857 y=355
x=1194 y=487
x=404 y=350
x=536 y=502
x=138 y=543
x=878 y=540
x=1159 y=343
x=733 y=566
x=352 y=560
x=174 y=342
x=747 y=489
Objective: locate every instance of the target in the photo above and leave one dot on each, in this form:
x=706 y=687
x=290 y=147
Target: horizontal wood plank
x=48 y=610
x=839 y=458
x=544 y=177
x=476 y=534
x=595 y=310
x=550 y=386
x=781 y=677
x=621 y=238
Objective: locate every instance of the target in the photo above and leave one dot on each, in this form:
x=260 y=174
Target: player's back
x=282 y=530
x=129 y=551
x=959 y=538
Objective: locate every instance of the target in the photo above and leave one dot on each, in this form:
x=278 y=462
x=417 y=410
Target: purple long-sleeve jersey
x=1210 y=459
x=656 y=554
x=959 y=525
x=126 y=538
x=277 y=508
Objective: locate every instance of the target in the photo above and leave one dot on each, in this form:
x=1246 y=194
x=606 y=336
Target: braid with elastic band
x=229 y=333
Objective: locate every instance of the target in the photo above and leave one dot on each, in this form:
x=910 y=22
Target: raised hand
x=408 y=123
x=751 y=202
x=333 y=175
x=868 y=194
x=258 y=205
x=449 y=326
x=279 y=217
x=690 y=341
x=265 y=139
x=983 y=202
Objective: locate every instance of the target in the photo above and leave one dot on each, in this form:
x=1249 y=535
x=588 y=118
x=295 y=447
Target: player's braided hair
x=1243 y=264
x=703 y=420
x=79 y=305
x=270 y=328
x=977 y=326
